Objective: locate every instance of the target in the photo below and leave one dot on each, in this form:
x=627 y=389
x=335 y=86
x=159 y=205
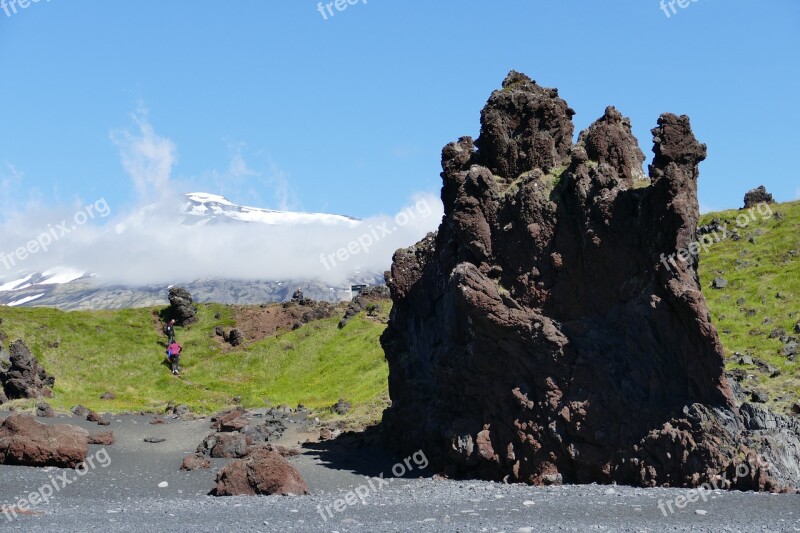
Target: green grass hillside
x=123 y=352
x=762 y=298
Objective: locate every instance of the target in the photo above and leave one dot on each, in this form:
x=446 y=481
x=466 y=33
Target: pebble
x=163 y=485
x=700 y=512
x=527 y=502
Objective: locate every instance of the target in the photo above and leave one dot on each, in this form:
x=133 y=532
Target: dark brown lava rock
x=543 y=335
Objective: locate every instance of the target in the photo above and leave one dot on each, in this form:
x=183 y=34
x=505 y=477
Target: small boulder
x=790 y=350
x=99 y=420
x=719 y=283
x=80 y=411
x=760 y=397
x=104 y=438
x=108 y=396
x=24 y=441
x=235 y=337
x=264 y=473
x=342 y=407
x=43 y=410
x=225 y=445
x=195 y=461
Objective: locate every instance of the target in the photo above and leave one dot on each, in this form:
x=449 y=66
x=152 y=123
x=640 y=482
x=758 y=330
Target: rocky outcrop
x=23 y=377
x=24 y=441
x=548 y=332
x=264 y=472
x=181 y=307
x=756 y=196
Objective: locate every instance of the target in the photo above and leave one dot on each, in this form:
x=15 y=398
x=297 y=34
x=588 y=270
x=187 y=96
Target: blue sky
x=270 y=104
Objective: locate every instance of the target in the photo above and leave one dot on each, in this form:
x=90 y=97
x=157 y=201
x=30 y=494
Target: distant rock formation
x=22 y=377
x=542 y=336
x=756 y=196
x=181 y=306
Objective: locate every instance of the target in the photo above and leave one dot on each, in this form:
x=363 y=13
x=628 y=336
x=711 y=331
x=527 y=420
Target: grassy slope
x=122 y=351
x=757 y=272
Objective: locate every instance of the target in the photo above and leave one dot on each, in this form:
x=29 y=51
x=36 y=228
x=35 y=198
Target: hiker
x=169 y=331
x=298 y=295
x=174 y=357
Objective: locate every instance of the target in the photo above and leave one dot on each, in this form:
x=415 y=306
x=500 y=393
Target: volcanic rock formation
x=181 y=306
x=545 y=335
x=24 y=378
x=756 y=196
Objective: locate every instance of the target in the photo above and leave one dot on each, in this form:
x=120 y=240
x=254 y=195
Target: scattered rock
x=182 y=410
x=363 y=301
x=265 y=473
x=108 y=396
x=225 y=445
x=155 y=440
x=776 y=333
x=44 y=410
x=266 y=431
x=24 y=441
x=196 y=461
x=235 y=337
x=719 y=283
x=105 y=438
x=80 y=411
x=756 y=196
x=760 y=397
x=797 y=328
x=790 y=350
x=99 y=420
x=746 y=360
x=342 y=407
x=157 y=420
x=163 y=485
x=219 y=331
x=24 y=378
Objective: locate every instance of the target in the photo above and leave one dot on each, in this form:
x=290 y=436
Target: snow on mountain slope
x=212 y=207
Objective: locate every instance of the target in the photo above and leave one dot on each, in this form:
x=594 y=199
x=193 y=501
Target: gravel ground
x=124 y=495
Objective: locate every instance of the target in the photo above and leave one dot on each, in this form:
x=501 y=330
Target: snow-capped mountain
x=70 y=288
x=207 y=208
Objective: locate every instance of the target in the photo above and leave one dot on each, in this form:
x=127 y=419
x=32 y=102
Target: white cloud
x=156 y=242
x=146 y=157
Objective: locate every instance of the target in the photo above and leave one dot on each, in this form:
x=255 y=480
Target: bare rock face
x=542 y=335
x=24 y=378
x=264 y=472
x=24 y=441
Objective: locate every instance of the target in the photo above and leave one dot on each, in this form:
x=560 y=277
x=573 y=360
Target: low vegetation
x=123 y=351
